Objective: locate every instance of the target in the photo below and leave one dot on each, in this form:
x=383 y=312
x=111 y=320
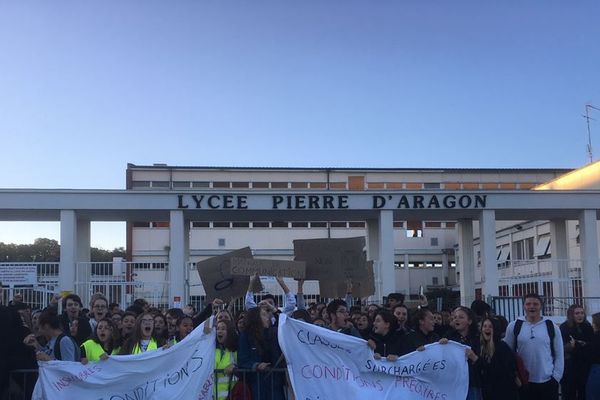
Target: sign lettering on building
x=331 y=202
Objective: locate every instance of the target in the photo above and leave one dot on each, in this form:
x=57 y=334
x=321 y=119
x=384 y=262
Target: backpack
x=551 y=333
x=522 y=372
x=57 y=353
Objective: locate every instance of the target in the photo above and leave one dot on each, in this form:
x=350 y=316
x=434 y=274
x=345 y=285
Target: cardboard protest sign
x=256 y=286
x=217 y=278
x=332 y=262
x=266 y=267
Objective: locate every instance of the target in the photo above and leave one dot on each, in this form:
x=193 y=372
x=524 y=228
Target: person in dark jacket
x=498 y=366
x=422 y=335
x=576 y=333
x=465 y=332
x=259 y=351
x=592 y=359
x=72 y=306
x=385 y=340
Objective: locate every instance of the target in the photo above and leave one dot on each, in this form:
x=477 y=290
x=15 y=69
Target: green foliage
x=48 y=250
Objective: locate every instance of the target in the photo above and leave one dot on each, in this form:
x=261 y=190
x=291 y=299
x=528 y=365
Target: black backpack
x=551 y=334
x=57 y=354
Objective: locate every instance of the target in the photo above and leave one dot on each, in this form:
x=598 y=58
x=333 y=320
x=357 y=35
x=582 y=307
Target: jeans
x=592 y=389
x=474 y=393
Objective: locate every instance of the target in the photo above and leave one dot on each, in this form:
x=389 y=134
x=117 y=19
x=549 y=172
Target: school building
x=483 y=232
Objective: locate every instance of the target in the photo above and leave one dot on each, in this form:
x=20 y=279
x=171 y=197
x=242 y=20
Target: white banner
x=184 y=371
x=323 y=364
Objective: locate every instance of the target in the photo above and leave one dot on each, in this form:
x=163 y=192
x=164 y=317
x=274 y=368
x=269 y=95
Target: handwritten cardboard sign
x=334 y=261
x=266 y=267
x=217 y=278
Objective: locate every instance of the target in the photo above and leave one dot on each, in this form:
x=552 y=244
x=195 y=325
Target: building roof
x=368 y=169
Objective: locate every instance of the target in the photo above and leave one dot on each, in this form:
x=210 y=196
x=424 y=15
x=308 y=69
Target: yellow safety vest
x=151 y=346
x=223 y=358
x=93 y=350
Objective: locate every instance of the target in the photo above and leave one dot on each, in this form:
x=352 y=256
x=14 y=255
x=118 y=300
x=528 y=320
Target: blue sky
x=86 y=87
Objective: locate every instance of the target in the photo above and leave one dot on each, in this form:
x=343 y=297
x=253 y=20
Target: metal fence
x=22 y=383
x=123 y=282
x=37 y=294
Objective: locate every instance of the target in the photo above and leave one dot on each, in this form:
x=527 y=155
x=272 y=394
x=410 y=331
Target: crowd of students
x=528 y=359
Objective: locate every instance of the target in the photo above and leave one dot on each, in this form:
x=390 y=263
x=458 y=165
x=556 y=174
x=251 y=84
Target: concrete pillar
x=445 y=268
x=588 y=236
x=386 y=251
x=178 y=257
x=84 y=248
x=466 y=261
x=405 y=277
x=380 y=248
x=559 y=249
x=487 y=239
x=68 y=250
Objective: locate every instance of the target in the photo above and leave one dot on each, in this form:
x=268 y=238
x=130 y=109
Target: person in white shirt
x=539 y=343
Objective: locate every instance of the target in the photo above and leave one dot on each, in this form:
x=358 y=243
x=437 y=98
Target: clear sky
x=86 y=87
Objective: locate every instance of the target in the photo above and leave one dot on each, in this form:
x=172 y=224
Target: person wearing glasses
x=339 y=318
x=142 y=338
x=99 y=310
x=540 y=345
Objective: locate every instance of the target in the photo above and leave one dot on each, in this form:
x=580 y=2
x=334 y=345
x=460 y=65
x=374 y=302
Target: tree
x=48 y=250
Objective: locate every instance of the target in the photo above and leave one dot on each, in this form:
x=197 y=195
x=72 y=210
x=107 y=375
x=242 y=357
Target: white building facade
x=483 y=231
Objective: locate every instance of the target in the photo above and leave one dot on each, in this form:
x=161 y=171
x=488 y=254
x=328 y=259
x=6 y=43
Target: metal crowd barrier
x=22 y=382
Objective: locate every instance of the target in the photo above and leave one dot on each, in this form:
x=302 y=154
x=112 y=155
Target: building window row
x=414 y=227
x=350 y=185
x=424 y=264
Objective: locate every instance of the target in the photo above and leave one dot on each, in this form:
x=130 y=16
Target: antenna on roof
x=589 y=107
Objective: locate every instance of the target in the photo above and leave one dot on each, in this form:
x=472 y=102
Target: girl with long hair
x=225 y=358
x=465 y=331
x=498 y=366
x=160 y=329
x=102 y=343
x=259 y=351
x=576 y=333
x=142 y=338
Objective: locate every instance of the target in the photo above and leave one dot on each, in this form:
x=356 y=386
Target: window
x=542 y=249
x=503 y=291
x=450 y=225
x=431 y=185
x=221 y=242
x=240 y=185
x=240 y=224
x=414 y=229
x=318 y=224
x=280 y=224
x=199 y=184
x=181 y=184
x=398 y=265
x=220 y=224
x=299 y=185
x=141 y=224
x=318 y=185
x=140 y=184
x=161 y=184
x=279 y=185
x=357 y=225
x=160 y=224
x=260 y=185
x=414 y=186
x=221 y=185
x=337 y=185
x=523 y=249
x=260 y=224
x=150 y=265
x=356 y=182
x=338 y=224
x=299 y=224
x=433 y=224
x=399 y=224
x=200 y=224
